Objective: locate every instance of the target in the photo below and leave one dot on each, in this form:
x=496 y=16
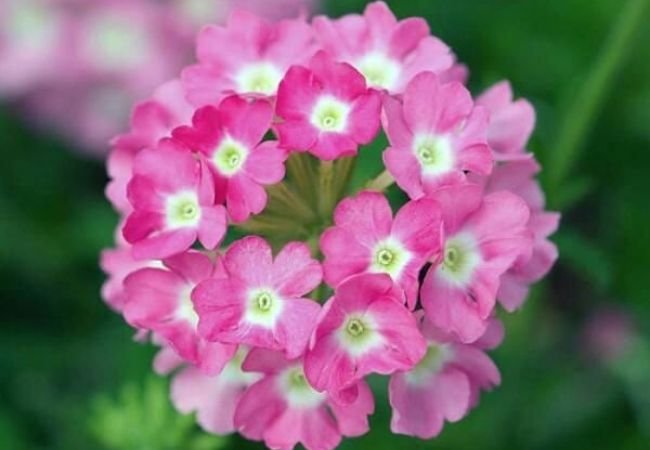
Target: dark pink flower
x=365 y=328
x=172 y=195
x=389 y=53
x=283 y=410
x=436 y=135
x=326 y=109
x=366 y=239
x=230 y=138
x=261 y=301
x=484 y=236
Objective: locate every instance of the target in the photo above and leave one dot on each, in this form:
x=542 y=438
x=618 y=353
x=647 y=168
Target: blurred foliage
x=72 y=378
x=144 y=419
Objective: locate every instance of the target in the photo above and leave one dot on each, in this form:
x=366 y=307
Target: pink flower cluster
x=274 y=338
x=93 y=59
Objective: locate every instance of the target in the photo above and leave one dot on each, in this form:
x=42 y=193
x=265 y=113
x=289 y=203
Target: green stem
x=381 y=183
x=326 y=194
x=586 y=104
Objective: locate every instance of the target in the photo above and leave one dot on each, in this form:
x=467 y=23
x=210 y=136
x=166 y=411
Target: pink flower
x=172 y=195
x=436 y=134
x=284 y=410
x=511 y=122
x=118 y=263
x=459 y=72
x=34 y=37
x=230 y=138
x=609 y=335
x=256 y=58
x=412 y=282
x=387 y=52
x=137 y=42
x=198 y=13
x=214 y=398
x=261 y=303
x=445 y=385
x=326 y=109
x=518 y=178
x=363 y=329
x=366 y=239
x=108 y=54
x=159 y=300
x=166 y=360
x=484 y=235
x=151 y=121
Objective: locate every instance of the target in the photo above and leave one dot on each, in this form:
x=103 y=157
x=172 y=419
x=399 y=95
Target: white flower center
x=379 y=70
x=330 y=114
x=264 y=307
x=434 y=153
x=259 y=78
x=433 y=362
x=233 y=374
x=185 y=310
x=461 y=257
x=200 y=12
x=31 y=25
x=390 y=257
x=230 y=156
x=358 y=335
x=183 y=210
x=117 y=44
x=297 y=390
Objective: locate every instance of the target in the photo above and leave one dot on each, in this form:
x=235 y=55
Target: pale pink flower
x=112 y=53
x=459 y=73
x=609 y=334
x=518 y=178
x=326 y=109
x=445 y=385
x=34 y=36
x=511 y=122
x=166 y=359
x=366 y=239
x=172 y=195
x=214 y=398
x=261 y=302
x=484 y=236
x=117 y=263
x=159 y=300
x=255 y=60
x=436 y=135
x=137 y=42
x=151 y=121
x=230 y=139
x=365 y=328
x=277 y=9
x=389 y=53
x=283 y=409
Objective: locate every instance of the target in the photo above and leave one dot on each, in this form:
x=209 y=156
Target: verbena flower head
x=277 y=273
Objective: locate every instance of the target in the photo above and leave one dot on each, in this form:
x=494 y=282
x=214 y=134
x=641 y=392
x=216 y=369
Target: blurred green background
x=72 y=378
